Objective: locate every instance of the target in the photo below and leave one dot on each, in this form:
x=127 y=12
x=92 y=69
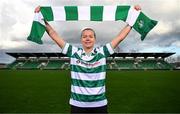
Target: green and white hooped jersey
x=88 y=75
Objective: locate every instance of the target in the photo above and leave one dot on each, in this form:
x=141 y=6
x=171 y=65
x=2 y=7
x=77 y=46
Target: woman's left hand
x=137 y=7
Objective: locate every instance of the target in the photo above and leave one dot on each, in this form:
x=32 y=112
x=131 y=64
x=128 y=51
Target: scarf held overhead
x=138 y=20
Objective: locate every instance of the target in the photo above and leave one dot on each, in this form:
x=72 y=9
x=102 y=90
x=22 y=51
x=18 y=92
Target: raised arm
x=52 y=33
x=123 y=33
x=54 y=36
x=121 y=36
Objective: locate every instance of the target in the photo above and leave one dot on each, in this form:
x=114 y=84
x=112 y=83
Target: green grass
x=127 y=91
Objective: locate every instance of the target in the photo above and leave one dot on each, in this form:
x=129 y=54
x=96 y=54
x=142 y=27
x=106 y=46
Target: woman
x=88 y=68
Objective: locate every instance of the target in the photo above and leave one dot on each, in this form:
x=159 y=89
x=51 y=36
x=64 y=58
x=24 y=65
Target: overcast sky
x=17 y=15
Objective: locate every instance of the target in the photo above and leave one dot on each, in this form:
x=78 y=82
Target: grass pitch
x=42 y=91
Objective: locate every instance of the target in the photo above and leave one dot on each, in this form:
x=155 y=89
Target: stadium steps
x=30 y=65
x=149 y=64
x=166 y=65
x=54 y=64
x=125 y=64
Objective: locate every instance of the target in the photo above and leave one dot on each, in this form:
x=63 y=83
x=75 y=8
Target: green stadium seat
x=54 y=64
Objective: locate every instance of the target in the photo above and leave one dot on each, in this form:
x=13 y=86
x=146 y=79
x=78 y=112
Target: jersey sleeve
x=69 y=50
x=107 y=50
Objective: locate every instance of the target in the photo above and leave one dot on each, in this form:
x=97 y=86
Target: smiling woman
x=88 y=64
x=88 y=38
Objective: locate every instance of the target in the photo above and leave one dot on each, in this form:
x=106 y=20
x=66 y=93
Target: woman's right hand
x=37 y=9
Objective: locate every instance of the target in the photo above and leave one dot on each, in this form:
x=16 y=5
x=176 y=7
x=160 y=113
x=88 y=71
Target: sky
x=16 y=18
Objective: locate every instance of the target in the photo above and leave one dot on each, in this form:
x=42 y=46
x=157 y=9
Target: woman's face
x=88 y=39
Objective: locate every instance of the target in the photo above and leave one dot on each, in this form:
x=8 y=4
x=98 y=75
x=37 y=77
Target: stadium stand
x=118 y=61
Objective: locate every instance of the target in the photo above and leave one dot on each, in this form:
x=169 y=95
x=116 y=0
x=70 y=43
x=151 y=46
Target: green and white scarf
x=138 y=20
